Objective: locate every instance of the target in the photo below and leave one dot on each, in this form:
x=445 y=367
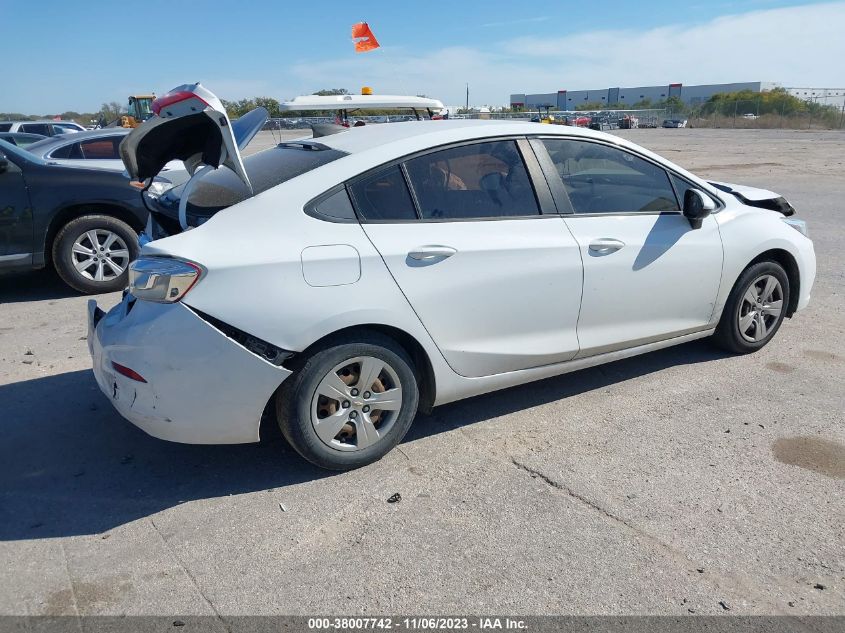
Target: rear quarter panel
x=253 y=253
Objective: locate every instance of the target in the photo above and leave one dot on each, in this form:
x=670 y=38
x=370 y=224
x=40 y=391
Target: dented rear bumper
x=201 y=387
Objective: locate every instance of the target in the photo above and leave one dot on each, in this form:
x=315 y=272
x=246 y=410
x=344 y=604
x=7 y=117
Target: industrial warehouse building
x=690 y=95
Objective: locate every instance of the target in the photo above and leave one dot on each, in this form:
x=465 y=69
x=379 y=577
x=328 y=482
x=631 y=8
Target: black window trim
x=562 y=198
x=545 y=204
x=56 y=149
x=310 y=207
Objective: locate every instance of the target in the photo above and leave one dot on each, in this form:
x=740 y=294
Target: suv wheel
x=349 y=404
x=92 y=253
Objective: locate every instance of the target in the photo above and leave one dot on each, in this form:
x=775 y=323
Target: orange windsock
x=363 y=38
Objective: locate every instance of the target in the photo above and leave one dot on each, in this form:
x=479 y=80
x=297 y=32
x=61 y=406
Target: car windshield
x=221 y=188
x=15 y=152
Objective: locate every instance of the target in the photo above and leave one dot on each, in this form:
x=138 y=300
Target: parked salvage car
x=352 y=280
x=45 y=128
x=83 y=222
x=675 y=123
x=21 y=139
x=97 y=149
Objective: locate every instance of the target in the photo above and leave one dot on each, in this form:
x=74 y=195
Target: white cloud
x=794 y=46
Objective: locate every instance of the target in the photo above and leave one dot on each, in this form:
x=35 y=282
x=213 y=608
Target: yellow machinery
x=139 y=110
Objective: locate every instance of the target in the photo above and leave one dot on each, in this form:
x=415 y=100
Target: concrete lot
x=683 y=481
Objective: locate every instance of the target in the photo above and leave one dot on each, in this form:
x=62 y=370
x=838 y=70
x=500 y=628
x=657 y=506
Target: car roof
x=367 y=137
x=65 y=139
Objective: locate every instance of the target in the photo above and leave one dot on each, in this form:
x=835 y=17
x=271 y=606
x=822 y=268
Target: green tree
x=330 y=92
x=110 y=112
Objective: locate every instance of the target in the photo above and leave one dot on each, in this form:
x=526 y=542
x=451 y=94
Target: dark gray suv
x=83 y=222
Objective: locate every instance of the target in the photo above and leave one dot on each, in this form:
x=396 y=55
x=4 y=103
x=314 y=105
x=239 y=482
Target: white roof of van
x=360 y=102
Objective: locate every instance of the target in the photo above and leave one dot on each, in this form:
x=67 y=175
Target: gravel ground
x=683 y=481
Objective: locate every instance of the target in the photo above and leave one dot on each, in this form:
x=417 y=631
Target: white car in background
x=351 y=280
x=44 y=128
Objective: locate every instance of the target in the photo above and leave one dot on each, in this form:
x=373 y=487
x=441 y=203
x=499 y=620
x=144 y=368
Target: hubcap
x=100 y=255
x=356 y=403
x=760 y=308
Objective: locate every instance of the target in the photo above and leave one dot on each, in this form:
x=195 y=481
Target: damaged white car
x=352 y=280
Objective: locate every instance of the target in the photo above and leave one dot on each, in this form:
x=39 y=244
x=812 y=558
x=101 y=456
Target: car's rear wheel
x=92 y=253
x=349 y=404
x=755 y=308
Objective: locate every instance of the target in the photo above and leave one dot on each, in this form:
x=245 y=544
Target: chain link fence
x=742 y=114
x=754 y=114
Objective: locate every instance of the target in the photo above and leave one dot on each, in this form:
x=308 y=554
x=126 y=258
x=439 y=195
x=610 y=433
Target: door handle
x=605 y=246
x=429 y=253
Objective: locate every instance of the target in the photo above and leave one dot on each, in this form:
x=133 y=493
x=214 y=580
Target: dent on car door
x=15 y=216
x=495 y=282
x=648 y=274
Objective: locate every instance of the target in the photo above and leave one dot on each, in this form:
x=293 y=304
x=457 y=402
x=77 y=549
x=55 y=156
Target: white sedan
x=352 y=280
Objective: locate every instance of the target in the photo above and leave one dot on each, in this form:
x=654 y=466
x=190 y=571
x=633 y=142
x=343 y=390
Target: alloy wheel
x=760 y=308
x=100 y=255
x=356 y=403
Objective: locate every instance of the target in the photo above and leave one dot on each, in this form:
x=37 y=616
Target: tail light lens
x=163 y=279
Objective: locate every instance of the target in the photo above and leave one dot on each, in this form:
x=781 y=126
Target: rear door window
x=99 y=149
x=603 y=179
x=475 y=181
x=5 y=127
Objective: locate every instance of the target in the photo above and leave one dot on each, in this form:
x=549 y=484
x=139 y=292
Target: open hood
x=754 y=197
x=189 y=124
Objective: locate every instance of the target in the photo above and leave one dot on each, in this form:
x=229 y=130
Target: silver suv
x=45 y=128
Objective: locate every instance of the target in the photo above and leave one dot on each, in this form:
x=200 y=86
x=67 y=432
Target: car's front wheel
x=350 y=403
x=755 y=308
x=92 y=253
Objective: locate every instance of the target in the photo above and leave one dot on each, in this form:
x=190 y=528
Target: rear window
x=222 y=188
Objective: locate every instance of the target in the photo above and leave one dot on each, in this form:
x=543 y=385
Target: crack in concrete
x=575 y=495
x=727 y=583
x=190 y=576
x=72 y=586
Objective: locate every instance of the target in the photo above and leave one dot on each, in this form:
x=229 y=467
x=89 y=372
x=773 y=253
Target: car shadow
x=70 y=465
x=33 y=285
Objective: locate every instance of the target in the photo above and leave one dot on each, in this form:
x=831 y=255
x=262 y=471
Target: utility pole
x=467 y=108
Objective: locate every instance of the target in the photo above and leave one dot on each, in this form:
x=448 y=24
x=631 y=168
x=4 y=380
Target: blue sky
x=102 y=51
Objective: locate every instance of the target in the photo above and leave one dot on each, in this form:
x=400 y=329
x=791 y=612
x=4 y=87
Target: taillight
x=162 y=279
x=123 y=370
x=174 y=97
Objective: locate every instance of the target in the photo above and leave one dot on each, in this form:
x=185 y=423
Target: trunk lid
x=190 y=124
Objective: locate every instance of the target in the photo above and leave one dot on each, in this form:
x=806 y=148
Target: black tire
x=295 y=399
x=85 y=282
x=728 y=335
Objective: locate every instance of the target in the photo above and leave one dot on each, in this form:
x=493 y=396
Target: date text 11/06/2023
x=416 y=623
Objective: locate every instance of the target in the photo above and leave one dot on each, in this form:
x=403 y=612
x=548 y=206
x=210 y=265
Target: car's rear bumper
x=201 y=386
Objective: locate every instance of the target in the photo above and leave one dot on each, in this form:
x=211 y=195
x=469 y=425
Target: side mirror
x=697 y=206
